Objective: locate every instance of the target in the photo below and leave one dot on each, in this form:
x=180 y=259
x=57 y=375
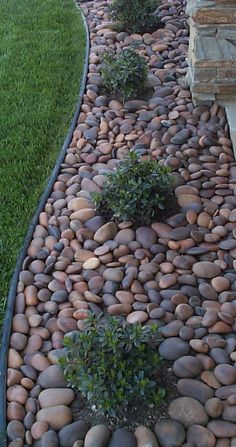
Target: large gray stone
x=73 y=432
x=52 y=377
x=122 y=437
x=50 y=439
x=188 y=411
x=170 y=432
x=174 y=347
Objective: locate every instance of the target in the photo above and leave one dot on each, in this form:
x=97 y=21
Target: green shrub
x=136 y=15
x=124 y=73
x=112 y=363
x=135 y=191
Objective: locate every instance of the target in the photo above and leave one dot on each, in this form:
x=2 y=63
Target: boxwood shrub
x=113 y=364
x=135 y=191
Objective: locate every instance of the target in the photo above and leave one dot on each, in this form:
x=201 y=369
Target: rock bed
x=179 y=273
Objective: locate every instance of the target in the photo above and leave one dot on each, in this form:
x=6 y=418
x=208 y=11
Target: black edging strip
x=23 y=251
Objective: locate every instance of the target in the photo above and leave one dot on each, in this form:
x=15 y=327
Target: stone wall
x=212 y=50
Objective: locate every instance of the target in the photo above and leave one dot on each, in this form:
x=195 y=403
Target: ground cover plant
x=142 y=185
x=112 y=363
x=41 y=61
x=124 y=74
x=135 y=15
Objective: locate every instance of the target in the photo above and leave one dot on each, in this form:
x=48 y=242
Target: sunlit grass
x=42 y=45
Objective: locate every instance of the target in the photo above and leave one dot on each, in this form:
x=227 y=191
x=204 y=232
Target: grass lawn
x=42 y=45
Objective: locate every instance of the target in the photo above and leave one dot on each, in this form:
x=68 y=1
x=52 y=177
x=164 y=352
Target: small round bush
x=136 y=15
x=112 y=363
x=135 y=191
x=124 y=74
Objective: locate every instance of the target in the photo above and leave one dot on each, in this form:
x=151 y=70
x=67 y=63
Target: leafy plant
x=136 y=15
x=136 y=190
x=124 y=73
x=113 y=363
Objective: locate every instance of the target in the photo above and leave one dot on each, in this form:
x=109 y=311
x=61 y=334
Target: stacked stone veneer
x=212 y=50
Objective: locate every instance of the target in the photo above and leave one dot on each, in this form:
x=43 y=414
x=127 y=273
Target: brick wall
x=212 y=50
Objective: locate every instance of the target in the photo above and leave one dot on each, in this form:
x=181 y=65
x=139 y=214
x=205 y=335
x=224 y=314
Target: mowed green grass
x=42 y=48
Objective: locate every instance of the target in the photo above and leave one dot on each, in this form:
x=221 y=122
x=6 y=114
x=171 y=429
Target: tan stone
x=38 y=428
x=145 y=437
x=53 y=396
x=83 y=215
x=187 y=199
x=79 y=203
x=106 y=232
x=56 y=416
x=14 y=359
x=91 y=263
x=83 y=255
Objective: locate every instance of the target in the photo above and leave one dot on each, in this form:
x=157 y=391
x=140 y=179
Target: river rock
x=206 y=269
x=226 y=374
x=73 y=432
x=56 y=416
x=170 y=432
x=38 y=428
x=79 y=203
x=91 y=264
x=20 y=324
x=174 y=347
x=187 y=366
x=18 y=341
x=82 y=255
x=180 y=233
x=171 y=329
x=60 y=296
x=214 y=407
x=145 y=437
x=51 y=397
x=229 y=413
x=220 y=355
x=188 y=411
x=225 y=391
x=222 y=429
x=207 y=291
x=15 y=429
x=52 y=377
x=50 y=439
x=134 y=104
x=106 y=232
x=125 y=236
x=200 y=436
x=122 y=437
x=196 y=389
x=138 y=316
x=146 y=237
x=15 y=411
x=14 y=376
x=161 y=229
x=181 y=137
x=97 y=436
x=17 y=393
x=113 y=274
x=18 y=442
x=14 y=359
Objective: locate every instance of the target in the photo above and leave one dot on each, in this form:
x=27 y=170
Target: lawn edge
x=6 y=330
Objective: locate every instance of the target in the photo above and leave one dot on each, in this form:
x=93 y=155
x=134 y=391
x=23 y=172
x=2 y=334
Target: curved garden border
x=13 y=286
x=198 y=212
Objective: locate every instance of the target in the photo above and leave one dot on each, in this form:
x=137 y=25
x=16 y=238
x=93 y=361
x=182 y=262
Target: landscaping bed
x=178 y=273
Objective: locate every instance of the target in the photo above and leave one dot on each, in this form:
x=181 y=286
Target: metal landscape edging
x=23 y=251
